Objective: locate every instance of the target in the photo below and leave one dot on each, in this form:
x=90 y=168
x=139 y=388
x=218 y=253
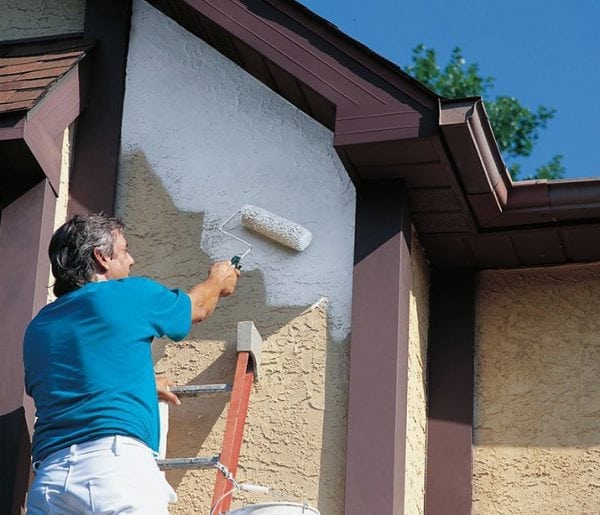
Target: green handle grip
x=235 y=261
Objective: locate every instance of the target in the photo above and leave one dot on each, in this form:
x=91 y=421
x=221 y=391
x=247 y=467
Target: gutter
x=495 y=200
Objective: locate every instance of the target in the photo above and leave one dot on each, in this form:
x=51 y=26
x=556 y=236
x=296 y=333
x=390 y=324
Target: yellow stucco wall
x=24 y=19
x=537 y=414
x=62 y=202
x=296 y=428
x=416 y=420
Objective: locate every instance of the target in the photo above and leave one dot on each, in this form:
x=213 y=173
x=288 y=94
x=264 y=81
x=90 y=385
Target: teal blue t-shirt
x=88 y=362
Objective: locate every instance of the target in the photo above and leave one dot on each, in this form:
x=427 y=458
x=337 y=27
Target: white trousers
x=110 y=475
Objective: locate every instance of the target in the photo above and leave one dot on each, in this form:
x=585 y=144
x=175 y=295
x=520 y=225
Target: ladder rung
x=194 y=390
x=187 y=463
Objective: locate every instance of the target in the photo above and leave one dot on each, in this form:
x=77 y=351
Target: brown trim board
x=376 y=444
x=98 y=135
x=450 y=392
x=25 y=231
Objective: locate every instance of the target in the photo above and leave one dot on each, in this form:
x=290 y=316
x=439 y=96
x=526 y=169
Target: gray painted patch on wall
x=219 y=139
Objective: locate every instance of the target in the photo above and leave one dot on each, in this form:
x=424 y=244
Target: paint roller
x=271 y=226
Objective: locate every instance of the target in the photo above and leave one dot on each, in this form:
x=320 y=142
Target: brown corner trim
x=26 y=228
x=98 y=134
x=376 y=440
x=46 y=122
x=450 y=392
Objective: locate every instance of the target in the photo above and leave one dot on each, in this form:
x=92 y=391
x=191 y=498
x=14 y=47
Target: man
x=89 y=369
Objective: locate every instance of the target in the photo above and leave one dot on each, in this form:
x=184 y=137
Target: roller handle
x=235 y=261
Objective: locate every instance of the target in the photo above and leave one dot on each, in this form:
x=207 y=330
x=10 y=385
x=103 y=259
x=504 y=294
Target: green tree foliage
x=515 y=126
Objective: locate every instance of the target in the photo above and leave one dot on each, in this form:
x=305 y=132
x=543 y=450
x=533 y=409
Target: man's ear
x=100 y=260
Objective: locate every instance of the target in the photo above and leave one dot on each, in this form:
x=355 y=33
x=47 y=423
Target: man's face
x=118 y=266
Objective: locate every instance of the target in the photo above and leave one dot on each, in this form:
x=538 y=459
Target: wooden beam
x=98 y=135
x=25 y=231
x=376 y=445
x=450 y=390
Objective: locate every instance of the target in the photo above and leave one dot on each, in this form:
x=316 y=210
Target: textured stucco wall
x=537 y=431
x=24 y=19
x=218 y=139
x=200 y=139
x=62 y=202
x=416 y=419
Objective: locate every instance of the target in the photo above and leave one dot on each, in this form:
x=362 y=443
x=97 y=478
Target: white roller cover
x=277 y=228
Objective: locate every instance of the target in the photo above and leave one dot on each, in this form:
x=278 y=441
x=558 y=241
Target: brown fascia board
x=495 y=200
x=311 y=50
x=48 y=119
x=386 y=69
x=557 y=201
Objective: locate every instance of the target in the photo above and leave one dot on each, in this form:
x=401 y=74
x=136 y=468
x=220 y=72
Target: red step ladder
x=246 y=372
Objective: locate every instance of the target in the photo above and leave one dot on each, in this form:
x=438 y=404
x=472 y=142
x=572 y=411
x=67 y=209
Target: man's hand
x=163 y=382
x=226 y=275
x=221 y=281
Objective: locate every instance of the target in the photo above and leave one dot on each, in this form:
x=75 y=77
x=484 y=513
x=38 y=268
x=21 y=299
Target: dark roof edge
x=370 y=53
x=77 y=38
x=465 y=124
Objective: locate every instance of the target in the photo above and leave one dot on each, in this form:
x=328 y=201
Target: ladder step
x=188 y=463
x=194 y=390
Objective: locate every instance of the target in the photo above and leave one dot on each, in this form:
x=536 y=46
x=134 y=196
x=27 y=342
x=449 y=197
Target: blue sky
x=543 y=52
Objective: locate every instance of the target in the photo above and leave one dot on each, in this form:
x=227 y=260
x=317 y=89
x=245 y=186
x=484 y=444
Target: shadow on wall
x=332 y=477
x=166 y=245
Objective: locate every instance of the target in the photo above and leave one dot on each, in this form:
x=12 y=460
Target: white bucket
x=276 y=508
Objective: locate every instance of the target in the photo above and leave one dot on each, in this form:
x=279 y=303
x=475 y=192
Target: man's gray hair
x=72 y=247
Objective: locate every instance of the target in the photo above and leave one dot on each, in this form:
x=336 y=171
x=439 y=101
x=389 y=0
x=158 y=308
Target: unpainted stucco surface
x=416 y=419
x=200 y=139
x=537 y=411
x=24 y=19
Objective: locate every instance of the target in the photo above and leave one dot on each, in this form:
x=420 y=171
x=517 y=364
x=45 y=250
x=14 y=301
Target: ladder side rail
x=239 y=433
x=234 y=430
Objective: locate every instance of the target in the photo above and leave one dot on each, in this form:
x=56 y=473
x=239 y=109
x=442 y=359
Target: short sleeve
x=169 y=312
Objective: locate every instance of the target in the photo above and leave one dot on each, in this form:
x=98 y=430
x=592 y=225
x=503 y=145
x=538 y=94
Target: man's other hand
x=163 y=382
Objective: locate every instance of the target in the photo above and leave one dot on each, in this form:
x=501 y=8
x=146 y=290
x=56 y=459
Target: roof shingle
x=28 y=70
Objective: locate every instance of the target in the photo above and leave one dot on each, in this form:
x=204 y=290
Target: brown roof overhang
x=523 y=223
x=494 y=198
x=41 y=93
x=388 y=127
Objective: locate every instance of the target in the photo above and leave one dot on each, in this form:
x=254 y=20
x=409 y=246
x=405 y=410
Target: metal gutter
x=495 y=199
